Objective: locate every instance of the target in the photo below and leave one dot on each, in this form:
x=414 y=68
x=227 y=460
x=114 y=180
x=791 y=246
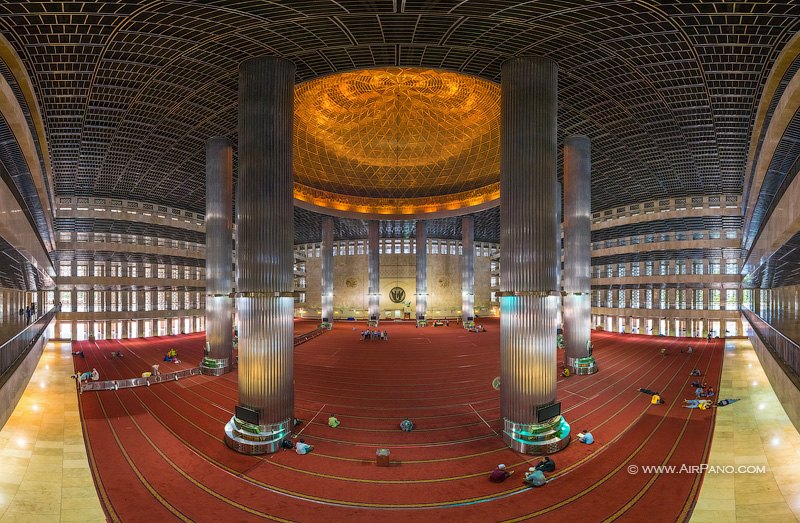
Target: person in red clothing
x=499 y=474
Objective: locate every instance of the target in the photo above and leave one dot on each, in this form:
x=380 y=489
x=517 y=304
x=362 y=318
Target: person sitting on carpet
x=301 y=447
x=663 y=352
x=565 y=372
x=586 y=437
x=546 y=465
x=333 y=422
x=696 y=384
x=534 y=478
x=95 y=375
x=287 y=443
x=696 y=372
x=499 y=474
x=710 y=392
x=689 y=350
x=726 y=402
x=406 y=425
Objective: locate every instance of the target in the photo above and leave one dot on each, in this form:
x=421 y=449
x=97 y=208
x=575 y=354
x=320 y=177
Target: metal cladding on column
x=467 y=270
x=327 y=270
x=529 y=261
x=373 y=245
x=219 y=256
x=264 y=275
x=578 y=255
x=422 y=270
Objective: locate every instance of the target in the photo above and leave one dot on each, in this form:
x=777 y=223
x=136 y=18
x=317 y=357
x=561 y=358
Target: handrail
x=785 y=349
x=18 y=346
x=308 y=336
x=171 y=376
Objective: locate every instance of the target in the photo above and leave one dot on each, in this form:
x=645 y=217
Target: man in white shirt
x=95 y=375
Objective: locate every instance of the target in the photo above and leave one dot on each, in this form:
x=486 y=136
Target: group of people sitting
x=172 y=356
x=703 y=390
x=374 y=335
x=477 y=328
x=86 y=376
x=116 y=354
x=534 y=477
x=301 y=447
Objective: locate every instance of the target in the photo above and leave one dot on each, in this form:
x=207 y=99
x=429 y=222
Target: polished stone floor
x=752 y=432
x=44 y=470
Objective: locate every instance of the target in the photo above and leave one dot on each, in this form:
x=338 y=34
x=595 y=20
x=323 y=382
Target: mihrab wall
x=350 y=284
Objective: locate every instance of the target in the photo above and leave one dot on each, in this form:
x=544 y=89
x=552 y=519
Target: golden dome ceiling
x=397 y=141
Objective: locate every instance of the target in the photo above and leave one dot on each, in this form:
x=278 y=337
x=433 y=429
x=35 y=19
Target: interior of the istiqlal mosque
x=400 y=260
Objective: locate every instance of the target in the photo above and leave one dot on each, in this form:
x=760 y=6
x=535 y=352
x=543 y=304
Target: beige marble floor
x=753 y=432
x=44 y=471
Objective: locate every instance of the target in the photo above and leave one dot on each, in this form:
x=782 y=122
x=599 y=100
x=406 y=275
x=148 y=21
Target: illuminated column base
x=256 y=439
x=214 y=366
x=581 y=366
x=537 y=438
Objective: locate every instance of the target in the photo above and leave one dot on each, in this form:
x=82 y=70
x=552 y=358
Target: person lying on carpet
x=499 y=474
x=82 y=376
x=697 y=404
x=648 y=391
x=695 y=372
x=546 y=465
x=656 y=400
x=287 y=443
x=333 y=422
x=534 y=478
x=406 y=425
x=696 y=384
x=78 y=353
x=586 y=437
x=301 y=447
x=726 y=402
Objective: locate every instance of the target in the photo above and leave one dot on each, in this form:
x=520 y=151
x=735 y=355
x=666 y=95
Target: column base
x=214 y=366
x=256 y=439
x=582 y=366
x=537 y=438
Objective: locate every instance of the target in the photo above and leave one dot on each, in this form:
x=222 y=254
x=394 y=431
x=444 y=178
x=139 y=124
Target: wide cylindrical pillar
x=578 y=255
x=374 y=259
x=528 y=259
x=219 y=256
x=467 y=270
x=264 y=274
x=422 y=270
x=327 y=270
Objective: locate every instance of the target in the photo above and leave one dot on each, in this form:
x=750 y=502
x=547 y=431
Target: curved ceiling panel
x=666 y=90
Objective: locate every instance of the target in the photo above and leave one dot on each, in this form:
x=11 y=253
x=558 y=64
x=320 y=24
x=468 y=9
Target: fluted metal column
x=528 y=264
x=373 y=241
x=219 y=256
x=578 y=255
x=467 y=269
x=422 y=270
x=327 y=269
x=264 y=275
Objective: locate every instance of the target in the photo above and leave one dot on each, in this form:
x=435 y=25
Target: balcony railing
x=784 y=348
x=18 y=346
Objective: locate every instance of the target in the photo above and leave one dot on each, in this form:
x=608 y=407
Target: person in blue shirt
x=586 y=437
x=534 y=478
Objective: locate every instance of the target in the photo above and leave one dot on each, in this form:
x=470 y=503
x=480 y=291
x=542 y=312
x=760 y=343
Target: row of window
x=665 y=268
x=131 y=239
x=697 y=299
x=395 y=246
x=105 y=301
x=728 y=234
x=130 y=270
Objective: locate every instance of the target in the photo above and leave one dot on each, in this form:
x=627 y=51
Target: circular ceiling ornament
x=397 y=141
x=397 y=294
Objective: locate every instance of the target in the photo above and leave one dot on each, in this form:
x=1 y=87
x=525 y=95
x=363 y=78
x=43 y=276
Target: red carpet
x=158 y=453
